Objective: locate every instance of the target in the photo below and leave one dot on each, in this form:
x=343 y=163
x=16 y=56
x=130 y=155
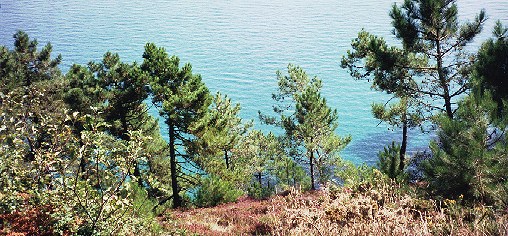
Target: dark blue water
x=236 y=45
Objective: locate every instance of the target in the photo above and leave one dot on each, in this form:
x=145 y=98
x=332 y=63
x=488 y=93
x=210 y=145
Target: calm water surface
x=236 y=45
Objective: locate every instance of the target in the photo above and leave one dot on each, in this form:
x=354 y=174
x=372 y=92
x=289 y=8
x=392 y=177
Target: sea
x=237 y=46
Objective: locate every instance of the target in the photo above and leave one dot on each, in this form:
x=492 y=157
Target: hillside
x=364 y=211
x=122 y=147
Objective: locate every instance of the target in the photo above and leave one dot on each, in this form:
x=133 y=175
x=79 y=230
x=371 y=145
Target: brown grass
x=383 y=210
x=30 y=221
x=243 y=217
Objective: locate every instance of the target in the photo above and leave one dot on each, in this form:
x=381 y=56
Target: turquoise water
x=236 y=45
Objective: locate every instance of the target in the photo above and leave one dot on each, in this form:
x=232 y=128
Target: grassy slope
x=364 y=211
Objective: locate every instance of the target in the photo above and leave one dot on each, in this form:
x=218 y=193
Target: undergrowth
x=374 y=205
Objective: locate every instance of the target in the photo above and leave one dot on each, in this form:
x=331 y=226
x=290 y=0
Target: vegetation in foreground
x=81 y=155
x=375 y=206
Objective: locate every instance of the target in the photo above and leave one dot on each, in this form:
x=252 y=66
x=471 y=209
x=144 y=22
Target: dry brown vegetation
x=246 y=216
x=386 y=209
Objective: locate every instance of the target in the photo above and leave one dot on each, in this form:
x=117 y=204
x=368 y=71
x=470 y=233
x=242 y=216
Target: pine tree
x=25 y=65
x=182 y=99
x=430 y=29
x=491 y=67
x=83 y=91
x=308 y=123
x=260 y=153
x=470 y=157
x=389 y=68
x=288 y=86
x=125 y=90
x=116 y=91
x=25 y=74
x=218 y=133
x=431 y=66
x=389 y=161
x=315 y=128
x=285 y=104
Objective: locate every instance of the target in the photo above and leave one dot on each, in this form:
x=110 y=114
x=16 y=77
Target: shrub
x=258 y=191
x=469 y=160
x=352 y=176
x=214 y=191
x=466 y=160
x=144 y=218
x=389 y=162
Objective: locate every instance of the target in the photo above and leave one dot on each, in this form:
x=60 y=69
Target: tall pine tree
x=218 y=135
x=182 y=99
x=315 y=128
x=430 y=29
x=428 y=73
x=25 y=65
x=116 y=90
x=309 y=124
x=371 y=57
x=491 y=68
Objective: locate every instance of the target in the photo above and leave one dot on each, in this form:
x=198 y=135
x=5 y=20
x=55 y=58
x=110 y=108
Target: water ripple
x=237 y=45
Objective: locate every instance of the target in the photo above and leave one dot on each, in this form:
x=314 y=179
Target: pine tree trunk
x=442 y=79
x=293 y=174
x=177 y=201
x=259 y=179
x=287 y=174
x=125 y=129
x=403 y=146
x=313 y=187
x=226 y=158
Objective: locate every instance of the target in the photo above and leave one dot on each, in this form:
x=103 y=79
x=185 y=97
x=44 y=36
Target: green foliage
x=260 y=152
x=124 y=88
x=32 y=136
x=389 y=162
x=491 y=67
x=430 y=29
x=288 y=86
x=399 y=113
x=214 y=191
x=83 y=181
x=470 y=158
x=258 y=191
x=180 y=95
x=182 y=99
x=432 y=63
x=361 y=177
x=25 y=65
x=308 y=122
x=315 y=128
x=117 y=89
x=389 y=67
x=290 y=173
x=155 y=171
x=66 y=163
x=218 y=135
x=102 y=192
x=144 y=219
x=419 y=22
